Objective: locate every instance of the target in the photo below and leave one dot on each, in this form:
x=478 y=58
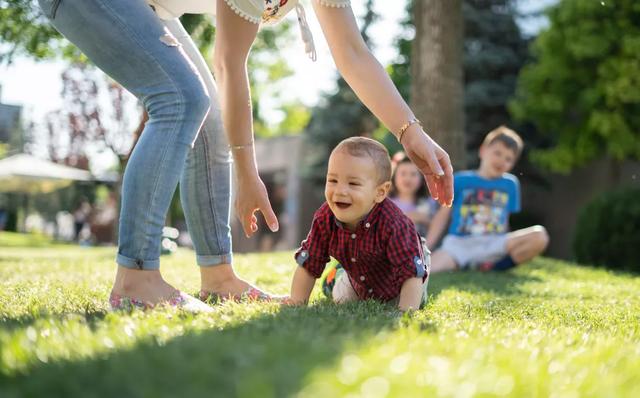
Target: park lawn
x=549 y=328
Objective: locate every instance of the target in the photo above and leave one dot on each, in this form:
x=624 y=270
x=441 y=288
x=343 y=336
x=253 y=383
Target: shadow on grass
x=9 y=324
x=271 y=355
x=506 y=283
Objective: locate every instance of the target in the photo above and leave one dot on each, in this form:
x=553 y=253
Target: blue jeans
x=183 y=140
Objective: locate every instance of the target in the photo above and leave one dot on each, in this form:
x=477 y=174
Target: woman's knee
x=185 y=98
x=195 y=100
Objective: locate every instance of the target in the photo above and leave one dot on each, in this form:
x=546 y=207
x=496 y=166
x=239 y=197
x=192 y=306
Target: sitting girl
x=409 y=193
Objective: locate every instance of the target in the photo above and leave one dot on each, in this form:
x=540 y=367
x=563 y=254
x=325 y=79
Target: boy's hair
x=367 y=147
x=508 y=137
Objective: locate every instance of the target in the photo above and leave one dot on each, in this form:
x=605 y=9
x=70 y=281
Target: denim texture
x=183 y=140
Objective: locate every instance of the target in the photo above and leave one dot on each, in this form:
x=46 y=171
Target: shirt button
x=353 y=236
x=419 y=261
x=303 y=254
x=362 y=278
x=370 y=290
x=353 y=259
x=367 y=225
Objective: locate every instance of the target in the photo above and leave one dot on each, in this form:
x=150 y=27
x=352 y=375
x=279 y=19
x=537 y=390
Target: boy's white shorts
x=472 y=250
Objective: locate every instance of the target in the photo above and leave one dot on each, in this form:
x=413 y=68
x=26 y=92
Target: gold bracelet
x=234 y=147
x=405 y=126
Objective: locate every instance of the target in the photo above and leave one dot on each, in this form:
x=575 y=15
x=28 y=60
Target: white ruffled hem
x=241 y=13
x=333 y=5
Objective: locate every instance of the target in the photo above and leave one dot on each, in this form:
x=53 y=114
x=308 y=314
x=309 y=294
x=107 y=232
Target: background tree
x=26 y=31
x=437 y=87
x=583 y=89
x=96 y=116
x=494 y=51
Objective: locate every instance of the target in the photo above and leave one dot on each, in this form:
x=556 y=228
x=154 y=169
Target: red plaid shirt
x=379 y=256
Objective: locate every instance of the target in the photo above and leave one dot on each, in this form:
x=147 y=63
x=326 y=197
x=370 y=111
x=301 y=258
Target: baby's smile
x=342 y=205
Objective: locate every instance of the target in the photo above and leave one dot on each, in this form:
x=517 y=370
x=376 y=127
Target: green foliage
x=494 y=52
x=266 y=67
x=400 y=69
x=200 y=28
x=4 y=149
x=26 y=31
x=547 y=329
x=584 y=87
x=296 y=118
x=608 y=231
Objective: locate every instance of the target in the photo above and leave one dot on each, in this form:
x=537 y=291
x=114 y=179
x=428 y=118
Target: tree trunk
x=437 y=86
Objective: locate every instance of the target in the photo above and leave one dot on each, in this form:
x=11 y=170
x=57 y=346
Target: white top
x=256 y=11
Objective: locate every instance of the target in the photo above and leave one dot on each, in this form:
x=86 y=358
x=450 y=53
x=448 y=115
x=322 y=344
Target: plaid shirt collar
x=367 y=221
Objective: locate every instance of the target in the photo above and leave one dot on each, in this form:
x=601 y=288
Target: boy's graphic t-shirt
x=482 y=206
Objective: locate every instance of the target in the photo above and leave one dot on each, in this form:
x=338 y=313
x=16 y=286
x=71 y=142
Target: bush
x=608 y=231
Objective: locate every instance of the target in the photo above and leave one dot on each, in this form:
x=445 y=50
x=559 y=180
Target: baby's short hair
x=367 y=147
x=508 y=137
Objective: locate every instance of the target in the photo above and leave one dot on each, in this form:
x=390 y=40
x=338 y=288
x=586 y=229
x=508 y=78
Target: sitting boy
x=382 y=255
x=478 y=236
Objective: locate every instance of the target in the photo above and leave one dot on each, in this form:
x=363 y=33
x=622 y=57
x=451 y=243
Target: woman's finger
x=434 y=163
x=432 y=175
x=447 y=181
x=432 y=185
x=246 y=227
x=269 y=215
x=247 y=224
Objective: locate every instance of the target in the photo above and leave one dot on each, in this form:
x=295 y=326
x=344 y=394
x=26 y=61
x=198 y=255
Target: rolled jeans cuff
x=213 y=260
x=137 y=263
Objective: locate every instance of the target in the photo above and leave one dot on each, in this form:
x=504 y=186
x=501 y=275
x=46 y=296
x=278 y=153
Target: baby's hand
x=287 y=301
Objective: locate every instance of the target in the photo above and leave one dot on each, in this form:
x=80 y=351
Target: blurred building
x=11 y=126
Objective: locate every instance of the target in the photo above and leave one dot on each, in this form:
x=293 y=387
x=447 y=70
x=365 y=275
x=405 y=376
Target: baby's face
x=352 y=187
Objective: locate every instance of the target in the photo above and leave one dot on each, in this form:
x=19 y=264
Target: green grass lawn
x=548 y=329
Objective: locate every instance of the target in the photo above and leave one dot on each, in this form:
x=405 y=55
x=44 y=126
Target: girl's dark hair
x=398 y=159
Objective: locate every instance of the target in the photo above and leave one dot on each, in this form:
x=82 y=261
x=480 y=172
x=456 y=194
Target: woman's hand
x=432 y=161
x=375 y=89
x=251 y=196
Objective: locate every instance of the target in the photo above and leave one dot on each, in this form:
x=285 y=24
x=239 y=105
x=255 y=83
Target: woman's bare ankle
x=222 y=279
x=146 y=285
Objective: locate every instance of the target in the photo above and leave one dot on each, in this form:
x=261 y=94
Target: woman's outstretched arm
x=234 y=36
x=375 y=89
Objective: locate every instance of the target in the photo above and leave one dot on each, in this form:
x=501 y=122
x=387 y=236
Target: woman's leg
x=205 y=187
x=126 y=40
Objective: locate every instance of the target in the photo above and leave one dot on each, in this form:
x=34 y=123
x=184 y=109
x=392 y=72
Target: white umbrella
x=28 y=174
